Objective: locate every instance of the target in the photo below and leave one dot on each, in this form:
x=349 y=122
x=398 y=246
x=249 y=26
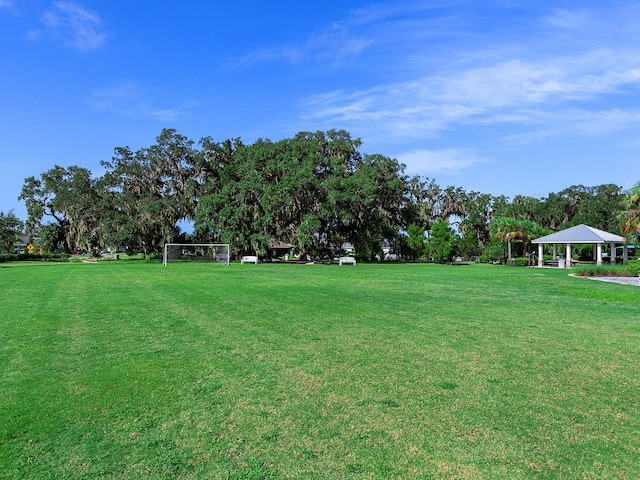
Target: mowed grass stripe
x=129 y=370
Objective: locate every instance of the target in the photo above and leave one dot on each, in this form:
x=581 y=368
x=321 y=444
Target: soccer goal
x=196 y=252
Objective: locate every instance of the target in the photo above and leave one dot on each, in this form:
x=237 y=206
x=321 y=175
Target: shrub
x=601 y=271
x=521 y=262
x=633 y=268
x=50 y=257
x=155 y=256
x=492 y=253
x=57 y=257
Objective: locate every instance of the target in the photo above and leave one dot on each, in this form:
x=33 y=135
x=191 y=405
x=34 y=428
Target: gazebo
x=581 y=234
x=279 y=249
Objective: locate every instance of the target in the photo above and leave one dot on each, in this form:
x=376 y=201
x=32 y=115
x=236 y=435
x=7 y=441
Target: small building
x=21 y=244
x=279 y=249
x=580 y=234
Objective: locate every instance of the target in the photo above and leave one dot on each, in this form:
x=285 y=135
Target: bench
x=344 y=260
x=249 y=259
x=560 y=263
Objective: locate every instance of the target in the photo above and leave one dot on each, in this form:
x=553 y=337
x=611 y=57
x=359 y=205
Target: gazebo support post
x=599 y=254
x=555 y=251
x=540 y=254
x=612 y=247
x=567 y=262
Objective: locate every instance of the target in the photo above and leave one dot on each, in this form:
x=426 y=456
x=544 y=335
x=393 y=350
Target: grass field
x=130 y=370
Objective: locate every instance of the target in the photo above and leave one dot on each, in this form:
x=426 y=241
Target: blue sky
x=501 y=97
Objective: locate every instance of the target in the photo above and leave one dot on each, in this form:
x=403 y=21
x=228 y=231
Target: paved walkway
x=627 y=280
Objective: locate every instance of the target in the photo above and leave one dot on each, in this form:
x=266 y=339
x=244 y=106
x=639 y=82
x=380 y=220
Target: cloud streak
x=449 y=161
x=73 y=26
x=131 y=100
x=539 y=91
x=513 y=91
x=334 y=44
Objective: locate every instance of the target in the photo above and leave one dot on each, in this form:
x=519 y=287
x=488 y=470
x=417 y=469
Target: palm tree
x=506 y=228
x=630 y=215
x=512 y=229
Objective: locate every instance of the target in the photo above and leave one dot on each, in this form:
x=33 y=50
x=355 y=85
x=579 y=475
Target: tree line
x=316 y=190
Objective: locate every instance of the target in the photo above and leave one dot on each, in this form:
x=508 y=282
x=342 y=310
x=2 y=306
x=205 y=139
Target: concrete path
x=627 y=280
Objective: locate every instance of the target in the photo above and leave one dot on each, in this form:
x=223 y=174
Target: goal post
x=196 y=252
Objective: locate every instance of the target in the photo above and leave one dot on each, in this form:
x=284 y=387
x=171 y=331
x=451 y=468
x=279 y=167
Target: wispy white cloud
x=131 y=100
x=264 y=55
x=634 y=143
x=541 y=93
x=110 y=98
x=568 y=19
x=574 y=122
x=334 y=43
x=387 y=11
x=505 y=92
x=167 y=114
x=376 y=26
x=73 y=26
x=435 y=162
x=589 y=25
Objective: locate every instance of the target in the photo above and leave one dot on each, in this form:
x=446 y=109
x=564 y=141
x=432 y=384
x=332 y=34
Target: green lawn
x=132 y=370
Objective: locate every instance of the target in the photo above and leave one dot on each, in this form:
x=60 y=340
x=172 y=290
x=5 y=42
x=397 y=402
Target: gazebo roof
x=278 y=245
x=580 y=234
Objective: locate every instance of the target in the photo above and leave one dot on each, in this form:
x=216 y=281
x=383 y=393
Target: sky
x=500 y=97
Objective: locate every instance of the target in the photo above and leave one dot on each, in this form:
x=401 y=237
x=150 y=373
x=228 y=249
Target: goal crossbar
x=213 y=252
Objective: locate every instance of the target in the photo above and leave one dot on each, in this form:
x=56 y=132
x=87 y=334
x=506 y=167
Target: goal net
x=196 y=252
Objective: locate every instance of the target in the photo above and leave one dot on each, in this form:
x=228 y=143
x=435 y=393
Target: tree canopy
x=316 y=190
x=10 y=229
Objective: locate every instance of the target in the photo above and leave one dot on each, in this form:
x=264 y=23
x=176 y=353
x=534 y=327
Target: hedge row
x=50 y=257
